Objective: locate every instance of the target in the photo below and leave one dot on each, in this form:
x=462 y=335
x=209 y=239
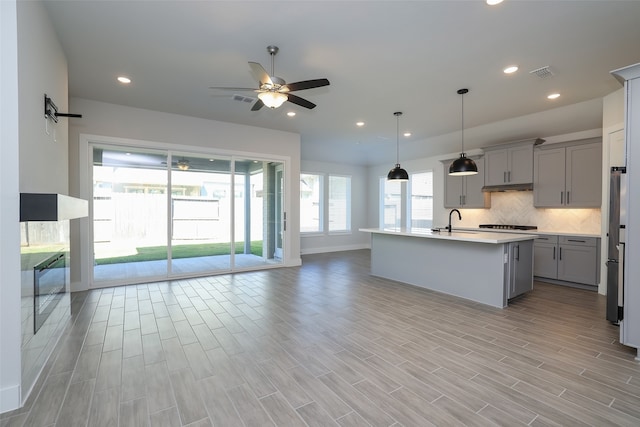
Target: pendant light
x=463 y=165
x=397 y=173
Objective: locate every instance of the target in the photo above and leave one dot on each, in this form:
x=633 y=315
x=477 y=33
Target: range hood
x=51 y=207
x=507 y=187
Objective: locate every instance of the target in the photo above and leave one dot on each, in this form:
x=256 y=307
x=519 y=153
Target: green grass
x=155 y=253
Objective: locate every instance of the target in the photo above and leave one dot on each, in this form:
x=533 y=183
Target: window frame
x=348 y=200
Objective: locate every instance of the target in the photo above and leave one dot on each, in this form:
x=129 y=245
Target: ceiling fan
x=274 y=91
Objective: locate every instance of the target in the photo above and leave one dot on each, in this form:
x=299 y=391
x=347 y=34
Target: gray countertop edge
x=471 y=236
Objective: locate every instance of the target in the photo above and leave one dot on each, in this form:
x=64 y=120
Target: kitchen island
x=486 y=267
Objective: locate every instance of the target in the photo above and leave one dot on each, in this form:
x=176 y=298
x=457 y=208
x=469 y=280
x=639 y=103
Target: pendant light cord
x=397 y=139
x=461 y=92
x=462 y=124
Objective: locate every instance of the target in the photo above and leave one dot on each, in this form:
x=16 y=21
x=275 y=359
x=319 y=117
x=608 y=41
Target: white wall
x=42 y=69
x=108 y=122
x=325 y=242
x=9 y=208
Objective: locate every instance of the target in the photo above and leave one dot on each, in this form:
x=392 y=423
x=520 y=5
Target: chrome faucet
x=459 y=217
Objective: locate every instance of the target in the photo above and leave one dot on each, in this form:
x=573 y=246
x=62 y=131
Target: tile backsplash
x=516 y=207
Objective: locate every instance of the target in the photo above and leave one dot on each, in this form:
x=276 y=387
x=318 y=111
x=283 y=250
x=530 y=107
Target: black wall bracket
x=51 y=111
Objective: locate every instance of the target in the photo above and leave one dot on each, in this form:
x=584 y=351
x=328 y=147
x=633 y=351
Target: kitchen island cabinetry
x=510 y=166
x=489 y=268
x=568 y=176
x=571 y=260
x=465 y=191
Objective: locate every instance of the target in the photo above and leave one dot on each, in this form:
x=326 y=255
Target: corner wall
x=9 y=207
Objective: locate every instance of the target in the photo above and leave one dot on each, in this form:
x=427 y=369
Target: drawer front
x=547 y=238
x=579 y=241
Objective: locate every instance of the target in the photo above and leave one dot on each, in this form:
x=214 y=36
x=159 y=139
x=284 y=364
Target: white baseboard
x=9 y=398
x=325 y=249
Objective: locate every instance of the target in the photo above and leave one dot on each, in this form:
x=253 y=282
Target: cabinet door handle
x=504 y=176
x=464 y=199
x=561 y=197
x=509 y=176
x=567 y=197
x=560 y=257
x=517 y=252
x=554 y=252
x=460 y=200
x=576 y=240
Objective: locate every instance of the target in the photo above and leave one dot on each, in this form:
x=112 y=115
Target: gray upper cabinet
x=465 y=191
x=568 y=176
x=512 y=165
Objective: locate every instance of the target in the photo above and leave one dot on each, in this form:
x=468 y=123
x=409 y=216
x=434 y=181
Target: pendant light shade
x=463 y=165
x=397 y=173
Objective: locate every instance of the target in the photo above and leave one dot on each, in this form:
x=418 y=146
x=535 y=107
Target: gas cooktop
x=509 y=226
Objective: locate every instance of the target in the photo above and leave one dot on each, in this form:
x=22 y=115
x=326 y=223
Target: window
x=311 y=186
x=416 y=196
x=391 y=203
x=339 y=203
x=320 y=210
x=420 y=207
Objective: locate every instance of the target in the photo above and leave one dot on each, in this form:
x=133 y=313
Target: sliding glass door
x=129 y=214
x=171 y=214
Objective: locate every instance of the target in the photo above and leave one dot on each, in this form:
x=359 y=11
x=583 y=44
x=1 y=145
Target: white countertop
x=457 y=234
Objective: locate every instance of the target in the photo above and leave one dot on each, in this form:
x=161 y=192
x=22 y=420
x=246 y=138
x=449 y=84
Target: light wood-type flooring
x=326 y=344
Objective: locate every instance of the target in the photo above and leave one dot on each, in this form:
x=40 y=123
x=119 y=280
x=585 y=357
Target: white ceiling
x=380 y=57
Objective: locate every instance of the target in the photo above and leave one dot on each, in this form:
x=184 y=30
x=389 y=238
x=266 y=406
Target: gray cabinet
x=578 y=260
x=520 y=268
x=567 y=259
x=512 y=165
x=545 y=258
x=568 y=176
x=465 y=191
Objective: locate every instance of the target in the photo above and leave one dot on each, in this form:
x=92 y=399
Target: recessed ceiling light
x=407 y=134
x=291 y=113
x=359 y=124
x=493 y=2
x=211 y=160
x=510 y=69
x=124 y=80
x=553 y=96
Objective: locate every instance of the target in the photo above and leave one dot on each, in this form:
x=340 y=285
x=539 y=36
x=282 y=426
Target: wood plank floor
x=326 y=344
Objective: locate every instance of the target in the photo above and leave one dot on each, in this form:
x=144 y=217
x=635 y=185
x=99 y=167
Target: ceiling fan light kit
x=397 y=173
x=274 y=91
x=463 y=165
x=272 y=99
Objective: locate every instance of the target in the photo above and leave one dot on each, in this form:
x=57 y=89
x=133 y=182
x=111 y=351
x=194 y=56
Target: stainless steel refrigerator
x=615 y=254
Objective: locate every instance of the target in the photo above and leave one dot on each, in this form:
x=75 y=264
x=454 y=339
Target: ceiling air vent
x=243 y=98
x=543 y=72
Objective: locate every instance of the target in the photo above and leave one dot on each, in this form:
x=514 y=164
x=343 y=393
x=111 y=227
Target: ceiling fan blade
x=300 y=101
x=259 y=73
x=232 y=88
x=258 y=105
x=307 y=84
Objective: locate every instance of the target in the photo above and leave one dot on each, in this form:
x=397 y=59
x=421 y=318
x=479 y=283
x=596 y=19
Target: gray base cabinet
x=520 y=268
x=567 y=259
